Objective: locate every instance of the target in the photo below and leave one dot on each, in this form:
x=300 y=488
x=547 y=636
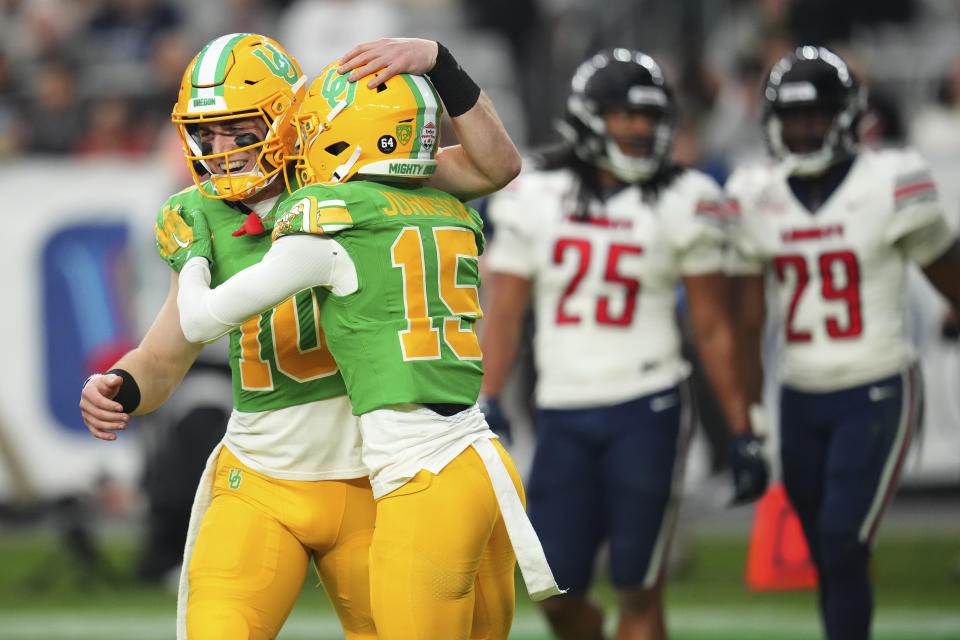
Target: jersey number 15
x=421 y=339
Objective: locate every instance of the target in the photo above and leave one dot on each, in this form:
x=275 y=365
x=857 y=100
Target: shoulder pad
x=312 y=211
x=912 y=181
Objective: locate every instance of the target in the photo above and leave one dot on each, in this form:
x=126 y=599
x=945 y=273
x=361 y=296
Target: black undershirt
x=813 y=191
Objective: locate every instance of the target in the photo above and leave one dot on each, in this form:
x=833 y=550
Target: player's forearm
x=486 y=159
x=708 y=298
x=499 y=343
x=501 y=329
x=716 y=347
x=292 y=264
x=750 y=365
x=156 y=374
x=159 y=362
x=749 y=307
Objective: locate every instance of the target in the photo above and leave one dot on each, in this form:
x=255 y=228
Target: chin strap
x=345 y=168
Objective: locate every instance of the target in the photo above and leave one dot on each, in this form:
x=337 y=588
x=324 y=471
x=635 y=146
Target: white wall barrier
x=82 y=282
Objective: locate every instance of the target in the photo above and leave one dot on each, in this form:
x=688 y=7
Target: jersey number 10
x=293 y=361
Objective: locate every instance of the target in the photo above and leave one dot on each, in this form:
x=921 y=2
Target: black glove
x=749 y=467
x=497 y=420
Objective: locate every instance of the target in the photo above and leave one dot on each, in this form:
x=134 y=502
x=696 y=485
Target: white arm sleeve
x=292 y=264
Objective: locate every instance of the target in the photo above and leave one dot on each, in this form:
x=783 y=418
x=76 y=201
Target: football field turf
x=45 y=596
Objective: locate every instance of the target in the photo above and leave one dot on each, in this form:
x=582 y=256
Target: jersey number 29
x=849 y=292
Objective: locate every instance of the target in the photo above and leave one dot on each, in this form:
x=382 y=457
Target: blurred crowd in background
x=98 y=77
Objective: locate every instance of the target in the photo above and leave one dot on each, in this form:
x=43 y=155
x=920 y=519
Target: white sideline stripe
x=748 y=621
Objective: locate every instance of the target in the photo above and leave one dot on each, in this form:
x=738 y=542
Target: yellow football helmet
x=347 y=129
x=239 y=75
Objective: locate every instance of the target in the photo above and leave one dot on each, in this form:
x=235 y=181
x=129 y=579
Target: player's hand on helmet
x=182 y=235
x=496 y=419
x=748 y=463
x=392 y=56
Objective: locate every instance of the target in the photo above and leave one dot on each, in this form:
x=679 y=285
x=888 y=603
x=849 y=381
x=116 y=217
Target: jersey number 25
x=582 y=250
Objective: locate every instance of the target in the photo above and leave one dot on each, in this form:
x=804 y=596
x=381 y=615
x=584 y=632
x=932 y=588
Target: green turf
x=45 y=595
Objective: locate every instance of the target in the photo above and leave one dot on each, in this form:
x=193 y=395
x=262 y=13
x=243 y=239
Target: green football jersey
x=279 y=358
x=408 y=334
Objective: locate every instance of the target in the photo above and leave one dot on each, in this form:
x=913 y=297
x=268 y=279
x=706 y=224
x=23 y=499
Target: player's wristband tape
x=457 y=90
x=129 y=394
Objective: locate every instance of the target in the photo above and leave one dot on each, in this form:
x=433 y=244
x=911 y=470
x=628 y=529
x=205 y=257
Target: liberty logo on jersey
x=814 y=233
x=236 y=477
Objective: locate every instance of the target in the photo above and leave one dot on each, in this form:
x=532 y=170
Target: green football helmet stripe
x=430 y=110
x=210 y=69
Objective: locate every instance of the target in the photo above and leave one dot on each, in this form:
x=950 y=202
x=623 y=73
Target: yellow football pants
x=254 y=546
x=441 y=563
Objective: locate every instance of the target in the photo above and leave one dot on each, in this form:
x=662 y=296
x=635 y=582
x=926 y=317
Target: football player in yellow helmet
x=393 y=265
x=287 y=484
x=387 y=131
x=246 y=87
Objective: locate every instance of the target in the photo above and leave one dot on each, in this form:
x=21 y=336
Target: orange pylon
x=779 y=558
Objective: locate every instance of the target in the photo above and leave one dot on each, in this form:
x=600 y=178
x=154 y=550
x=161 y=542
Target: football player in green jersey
x=287 y=484
x=393 y=264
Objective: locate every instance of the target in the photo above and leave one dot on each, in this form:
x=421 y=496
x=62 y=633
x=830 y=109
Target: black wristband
x=129 y=394
x=457 y=89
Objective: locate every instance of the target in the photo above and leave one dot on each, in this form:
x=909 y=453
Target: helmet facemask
x=619 y=79
x=233 y=78
x=226 y=169
x=812 y=80
x=637 y=168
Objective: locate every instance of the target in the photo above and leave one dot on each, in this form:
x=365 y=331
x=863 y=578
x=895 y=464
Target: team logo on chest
x=812 y=233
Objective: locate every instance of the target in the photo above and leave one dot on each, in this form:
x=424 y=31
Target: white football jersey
x=604 y=288
x=839 y=274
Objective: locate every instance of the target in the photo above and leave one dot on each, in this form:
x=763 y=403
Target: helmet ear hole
x=336 y=148
x=381 y=87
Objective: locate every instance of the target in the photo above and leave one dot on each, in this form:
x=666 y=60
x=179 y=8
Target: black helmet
x=813 y=78
x=618 y=78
